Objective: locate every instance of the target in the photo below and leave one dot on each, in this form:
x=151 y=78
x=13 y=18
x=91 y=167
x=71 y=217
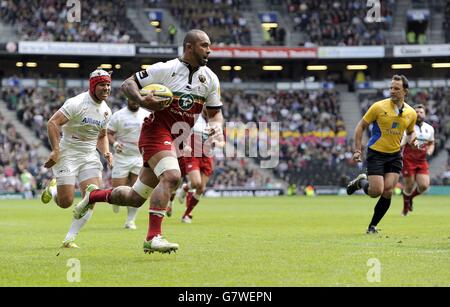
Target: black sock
x=380 y=210
x=364 y=184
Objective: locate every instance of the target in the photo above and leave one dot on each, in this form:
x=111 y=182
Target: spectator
x=172 y=33
x=341 y=23
x=46 y=20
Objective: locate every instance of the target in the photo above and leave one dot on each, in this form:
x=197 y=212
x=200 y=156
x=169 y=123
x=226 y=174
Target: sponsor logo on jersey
x=394 y=125
x=202 y=78
x=93 y=122
x=167 y=143
x=186 y=101
x=143 y=74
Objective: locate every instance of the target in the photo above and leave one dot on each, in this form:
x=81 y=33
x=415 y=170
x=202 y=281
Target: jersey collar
x=189 y=66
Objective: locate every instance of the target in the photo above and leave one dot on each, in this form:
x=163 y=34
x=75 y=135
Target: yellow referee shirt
x=389 y=124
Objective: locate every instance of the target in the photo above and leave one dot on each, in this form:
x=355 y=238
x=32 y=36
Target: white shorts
x=124 y=165
x=76 y=166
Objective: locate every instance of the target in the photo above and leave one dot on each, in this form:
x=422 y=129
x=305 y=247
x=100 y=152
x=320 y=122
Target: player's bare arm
x=412 y=140
x=430 y=149
x=215 y=121
x=118 y=147
x=131 y=90
x=103 y=146
x=53 y=129
x=359 y=130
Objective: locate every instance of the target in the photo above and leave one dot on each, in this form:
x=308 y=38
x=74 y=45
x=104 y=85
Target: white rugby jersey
x=425 y=136
x=192 y=89
x=86 y=119
x=127 y=127
x=424 y=133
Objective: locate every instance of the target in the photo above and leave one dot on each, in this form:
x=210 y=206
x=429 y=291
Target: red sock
x=100 y=195
x=154 y=223
x=414 y=193
x=191 y=202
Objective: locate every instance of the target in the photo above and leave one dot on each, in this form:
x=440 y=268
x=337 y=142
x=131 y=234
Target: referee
x=389 y=118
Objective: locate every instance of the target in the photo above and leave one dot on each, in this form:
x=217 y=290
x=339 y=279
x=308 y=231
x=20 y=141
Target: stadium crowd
x=313 y=139
x=234 y=172
x=223 y=19
x=20 y=168
x=338 y=23
x=46 y=20
x=35 y=105
x=446 y=25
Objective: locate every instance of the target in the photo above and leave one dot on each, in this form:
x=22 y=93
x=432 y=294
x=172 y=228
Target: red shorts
x=411 y=168
x=153 y=139
x=189 y=164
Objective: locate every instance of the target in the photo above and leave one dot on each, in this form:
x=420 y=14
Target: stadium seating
x=231 y=173
x=16 y=156
x=46 y=20
x=224 y=20
x=313 y=140
x=331 y=23
x=446 y=25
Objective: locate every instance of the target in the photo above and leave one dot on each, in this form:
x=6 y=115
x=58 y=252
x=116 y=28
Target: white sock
x=77 y=225
x=132 y=212
x=53 y=191
x=196 y=196
x=191 y=190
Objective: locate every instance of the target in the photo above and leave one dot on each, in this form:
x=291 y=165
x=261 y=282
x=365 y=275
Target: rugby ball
x=160 y=91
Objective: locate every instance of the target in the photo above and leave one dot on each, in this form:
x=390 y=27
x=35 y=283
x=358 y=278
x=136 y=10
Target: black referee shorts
x=380 y=163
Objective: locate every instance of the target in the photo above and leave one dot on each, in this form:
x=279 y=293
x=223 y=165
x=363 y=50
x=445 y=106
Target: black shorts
x=380 y=163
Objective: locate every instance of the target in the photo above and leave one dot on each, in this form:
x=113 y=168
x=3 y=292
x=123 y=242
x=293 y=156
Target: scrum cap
x=98 y=76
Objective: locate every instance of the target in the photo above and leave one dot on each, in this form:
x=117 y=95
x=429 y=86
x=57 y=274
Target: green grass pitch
x=285 y=241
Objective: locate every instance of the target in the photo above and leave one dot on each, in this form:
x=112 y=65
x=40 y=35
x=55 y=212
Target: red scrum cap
x=98 y=76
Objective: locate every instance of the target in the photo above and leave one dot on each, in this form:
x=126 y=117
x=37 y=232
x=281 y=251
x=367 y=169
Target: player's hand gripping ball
x=160 y=93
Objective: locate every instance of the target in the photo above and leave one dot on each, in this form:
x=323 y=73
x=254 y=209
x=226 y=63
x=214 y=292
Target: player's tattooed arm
x=131 y=89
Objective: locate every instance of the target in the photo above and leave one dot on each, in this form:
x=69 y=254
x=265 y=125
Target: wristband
x=115 y=144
